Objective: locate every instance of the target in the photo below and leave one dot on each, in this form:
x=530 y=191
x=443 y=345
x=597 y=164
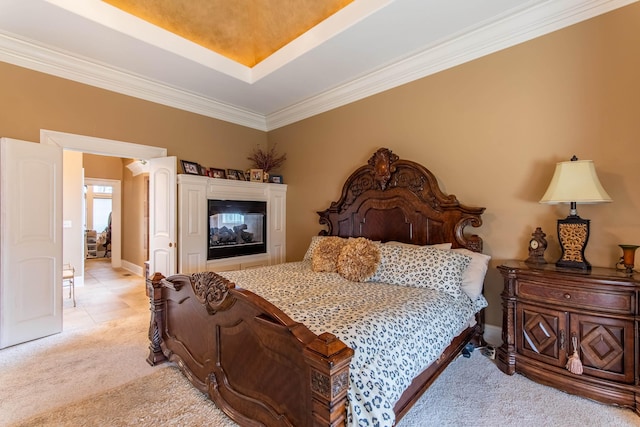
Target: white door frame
x=100 y=146
x=116 y=217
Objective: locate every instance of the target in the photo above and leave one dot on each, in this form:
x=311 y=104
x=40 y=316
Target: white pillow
x=422 y=267
x=473 y=275
x=444 y=246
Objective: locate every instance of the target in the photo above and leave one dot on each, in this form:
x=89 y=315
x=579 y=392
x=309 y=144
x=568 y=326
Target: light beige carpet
x=99 y=377
x=163 y=398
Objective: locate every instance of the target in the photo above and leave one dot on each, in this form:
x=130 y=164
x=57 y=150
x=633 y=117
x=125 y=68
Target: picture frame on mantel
x=190 y=168
x=236 y=174
x=276 y=179
x=256 y=175
x=218 y=173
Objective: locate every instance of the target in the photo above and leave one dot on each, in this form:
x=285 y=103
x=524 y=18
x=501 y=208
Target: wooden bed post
x=328 y=359
x=154 y=292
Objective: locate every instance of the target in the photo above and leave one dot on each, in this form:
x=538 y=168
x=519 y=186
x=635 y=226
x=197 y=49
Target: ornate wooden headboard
x=392 y=199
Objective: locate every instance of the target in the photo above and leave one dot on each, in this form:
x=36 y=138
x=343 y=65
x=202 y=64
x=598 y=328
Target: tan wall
x=102 y=167
x=492 y=130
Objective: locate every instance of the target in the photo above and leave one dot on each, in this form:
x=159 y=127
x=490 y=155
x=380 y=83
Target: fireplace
x=201 y=198
x=236 y=227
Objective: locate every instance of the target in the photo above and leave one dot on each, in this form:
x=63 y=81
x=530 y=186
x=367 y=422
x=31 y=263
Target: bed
x=298 y=345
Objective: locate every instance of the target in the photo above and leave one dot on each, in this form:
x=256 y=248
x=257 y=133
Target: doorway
x=104 y=147
x=99 y=208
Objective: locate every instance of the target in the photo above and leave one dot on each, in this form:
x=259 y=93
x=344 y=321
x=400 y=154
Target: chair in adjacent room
x=68 y=280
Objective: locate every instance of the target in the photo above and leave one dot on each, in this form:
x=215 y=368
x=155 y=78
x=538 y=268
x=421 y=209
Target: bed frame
x=257 y=364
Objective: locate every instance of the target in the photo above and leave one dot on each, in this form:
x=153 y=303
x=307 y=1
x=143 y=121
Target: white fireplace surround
x=193 y=233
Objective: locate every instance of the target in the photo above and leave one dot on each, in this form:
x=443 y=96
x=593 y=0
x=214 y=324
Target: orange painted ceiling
x=246 y=31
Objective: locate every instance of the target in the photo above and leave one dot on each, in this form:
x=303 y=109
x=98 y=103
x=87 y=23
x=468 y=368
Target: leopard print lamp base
x=573 y=235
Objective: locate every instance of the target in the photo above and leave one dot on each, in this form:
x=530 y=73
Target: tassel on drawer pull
x=574 y=365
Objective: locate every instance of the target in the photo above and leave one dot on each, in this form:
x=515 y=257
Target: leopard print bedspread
x=395 y=331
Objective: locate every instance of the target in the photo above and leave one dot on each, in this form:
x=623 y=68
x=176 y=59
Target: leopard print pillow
x=359 y=259
x=315 y=241
x=422 y=267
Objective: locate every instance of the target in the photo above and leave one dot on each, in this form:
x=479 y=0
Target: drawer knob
x=567 y=296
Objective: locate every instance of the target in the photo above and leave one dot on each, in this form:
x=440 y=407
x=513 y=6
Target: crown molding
x=27 y=54
x=519 y=26
x=505 y=32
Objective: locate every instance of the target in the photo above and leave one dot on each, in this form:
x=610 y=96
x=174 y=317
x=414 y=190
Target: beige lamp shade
x=575 y=181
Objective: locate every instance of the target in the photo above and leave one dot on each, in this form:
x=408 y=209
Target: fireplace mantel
x=193 y=232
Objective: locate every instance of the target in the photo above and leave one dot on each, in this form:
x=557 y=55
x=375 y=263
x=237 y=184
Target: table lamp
x=574 y=182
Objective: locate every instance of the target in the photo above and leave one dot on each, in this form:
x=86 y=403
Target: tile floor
x=107 y=294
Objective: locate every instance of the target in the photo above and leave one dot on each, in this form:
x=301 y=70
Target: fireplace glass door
x=236 y=227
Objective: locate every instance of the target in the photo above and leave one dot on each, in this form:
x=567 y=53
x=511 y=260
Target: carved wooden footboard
x=259 y=366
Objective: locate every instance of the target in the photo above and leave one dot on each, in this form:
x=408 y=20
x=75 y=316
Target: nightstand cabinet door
x=606 y=346
x=542 y=334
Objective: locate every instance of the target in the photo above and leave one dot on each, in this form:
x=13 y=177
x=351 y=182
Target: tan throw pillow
x=358 y=259
x=325 y=255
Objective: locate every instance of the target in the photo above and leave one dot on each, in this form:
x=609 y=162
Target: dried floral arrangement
x=267 y=160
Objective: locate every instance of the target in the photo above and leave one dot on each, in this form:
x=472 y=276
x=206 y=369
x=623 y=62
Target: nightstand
x=546 y=309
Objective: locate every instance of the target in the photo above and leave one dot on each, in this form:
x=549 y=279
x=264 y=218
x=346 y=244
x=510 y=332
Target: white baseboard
x=493 y=335
x=136 y=269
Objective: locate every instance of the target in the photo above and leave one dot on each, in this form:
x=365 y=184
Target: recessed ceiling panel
x=246 y=31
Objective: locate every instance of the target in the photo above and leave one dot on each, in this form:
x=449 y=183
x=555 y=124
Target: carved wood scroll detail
x=382 y=162
x=321 y=383
x=157 y=307
x=211 y=290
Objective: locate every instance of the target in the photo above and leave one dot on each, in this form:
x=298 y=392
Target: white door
x=162 y=216
x=30 y=241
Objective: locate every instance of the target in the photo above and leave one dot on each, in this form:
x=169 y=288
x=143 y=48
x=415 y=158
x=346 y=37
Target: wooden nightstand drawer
x=621 y=302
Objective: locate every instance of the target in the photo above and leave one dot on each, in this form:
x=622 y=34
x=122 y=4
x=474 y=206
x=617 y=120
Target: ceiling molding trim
x=27 y=54
x=513 y=29
x=123 y=22
x=346 y=17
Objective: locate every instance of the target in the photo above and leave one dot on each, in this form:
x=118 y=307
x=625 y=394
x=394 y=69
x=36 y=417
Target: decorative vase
x=627 y=259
